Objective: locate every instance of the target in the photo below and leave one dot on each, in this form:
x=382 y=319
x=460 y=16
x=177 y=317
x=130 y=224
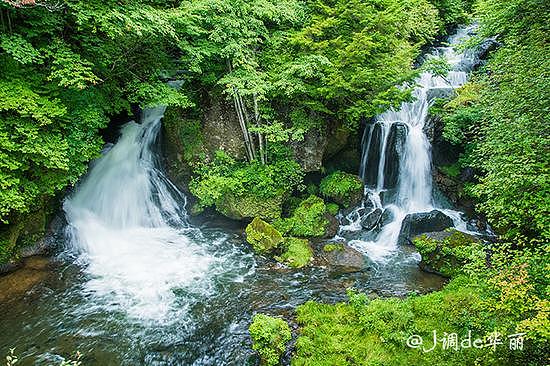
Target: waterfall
x=396 y=157
x=128 y=227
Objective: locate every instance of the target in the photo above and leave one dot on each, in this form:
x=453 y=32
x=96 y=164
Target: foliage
x=298 y=252
x=226 y=176
x=502 y=118
x=263 y=237
x=343 y=188
x=452 y=12
x=270 y=336
x=307 y=220
x=363 y=332
x=332 y=208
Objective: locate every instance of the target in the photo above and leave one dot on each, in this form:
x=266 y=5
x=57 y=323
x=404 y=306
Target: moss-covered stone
x=25 y=230
x=249 y=206
x=263 y=237
x=331 y=247
x=183 y=143
x=343 y=188
x=298 y=252
x=332 y=208
x=446 y=252
x=269 y=336
x=309 y=219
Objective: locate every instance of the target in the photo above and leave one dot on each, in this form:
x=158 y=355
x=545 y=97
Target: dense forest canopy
x=67 y=67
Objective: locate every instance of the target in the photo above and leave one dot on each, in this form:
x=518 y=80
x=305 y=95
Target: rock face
x=373 y=154
x=446 y=252
x=394 y=152
x=422 y=222
x=221 y=129
x=342 y=258
x=370 y=221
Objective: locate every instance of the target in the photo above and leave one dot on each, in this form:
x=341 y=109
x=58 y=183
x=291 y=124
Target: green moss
x=247 y=206
x=332 y=208
x=298 y=252
x=332 y=247
x=363 y=332
x=343 y=188
x=183 y=132
x=263 y=237
x=308 y=220
x=269 y=336
x=448 y=255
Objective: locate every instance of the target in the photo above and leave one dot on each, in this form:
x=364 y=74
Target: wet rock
x=395 y=148
x=370 y=221
x=342 y=258
x=439 y=93
x=333 y=225
x=481 y=52
x=422 y=222
x=373 y=155
x=386 y=218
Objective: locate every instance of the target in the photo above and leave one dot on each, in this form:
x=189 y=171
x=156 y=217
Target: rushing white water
x=129 y=229
x=396 y=160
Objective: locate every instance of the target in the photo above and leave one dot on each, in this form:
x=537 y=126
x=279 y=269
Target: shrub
x=298 y=252
x=269 y=336
x=308 y=220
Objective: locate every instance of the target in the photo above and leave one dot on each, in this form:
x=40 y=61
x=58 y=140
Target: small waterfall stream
x=396 y=158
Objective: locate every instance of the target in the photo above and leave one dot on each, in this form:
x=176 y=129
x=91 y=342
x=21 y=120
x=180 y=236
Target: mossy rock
x=309 y=220
x=298 y=252
x=26 y=230
x=343 y=188
x=263 y=237
x=269 y=338
x=249 y=206
x=447 y=252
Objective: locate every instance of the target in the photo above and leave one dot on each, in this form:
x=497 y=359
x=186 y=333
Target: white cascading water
x=410 y=190
x=128 y=227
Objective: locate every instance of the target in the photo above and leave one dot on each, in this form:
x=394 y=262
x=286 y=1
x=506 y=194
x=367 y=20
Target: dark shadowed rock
x=386 y=218
x=394 y=152
x=441 y=92
x=373 y=156
x=342 y=258
x=422 y=222
x=332 y=228
x=370 y=221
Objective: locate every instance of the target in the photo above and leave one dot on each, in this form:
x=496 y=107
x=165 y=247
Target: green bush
x=343 y=188
x=297 y=254
x=269 y=336
x=225 y=178
x=308 y=219
x=332 y=208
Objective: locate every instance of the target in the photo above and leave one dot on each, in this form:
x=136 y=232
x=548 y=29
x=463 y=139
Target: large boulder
x=395 y=148
x=373 y=135
x=250 y=206
x=343 y=188
x=372 y=219
x=342 y=258
x=297 y=253
x=263 y=237
x=422 y=222
x=446 y=252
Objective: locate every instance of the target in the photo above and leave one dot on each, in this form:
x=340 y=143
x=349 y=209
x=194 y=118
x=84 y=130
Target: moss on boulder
x=309 y=219
x=343 y=188
x=298 y=252
x=447 y=252
x=249 y=206
x=269 y=336
x=263 y=237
